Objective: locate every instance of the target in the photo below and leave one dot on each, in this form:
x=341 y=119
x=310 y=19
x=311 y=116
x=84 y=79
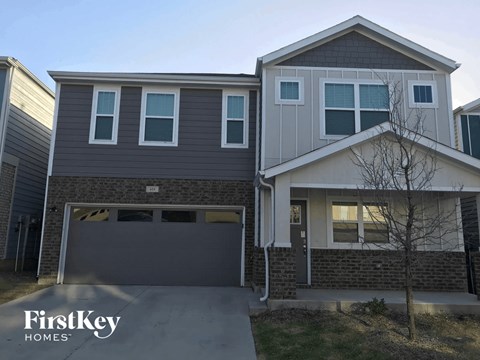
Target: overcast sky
x=220 y=36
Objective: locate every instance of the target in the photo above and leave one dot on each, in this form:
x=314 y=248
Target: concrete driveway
x=155 y=323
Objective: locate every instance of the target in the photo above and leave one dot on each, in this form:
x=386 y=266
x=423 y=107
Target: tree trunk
x=412 y=332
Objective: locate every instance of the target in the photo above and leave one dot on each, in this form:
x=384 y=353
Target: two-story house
x=151 y=175
x=26 y=117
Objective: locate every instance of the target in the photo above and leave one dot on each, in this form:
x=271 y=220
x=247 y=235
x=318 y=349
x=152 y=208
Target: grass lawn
x=14 y=285
x=302 y=334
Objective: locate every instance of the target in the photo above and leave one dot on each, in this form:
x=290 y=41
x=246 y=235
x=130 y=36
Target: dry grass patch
x=14 y=285
x=302 y=334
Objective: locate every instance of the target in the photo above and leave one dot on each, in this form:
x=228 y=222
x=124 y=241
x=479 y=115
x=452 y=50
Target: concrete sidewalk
x=425 y=302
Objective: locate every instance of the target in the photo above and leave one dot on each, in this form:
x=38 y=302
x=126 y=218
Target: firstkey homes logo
x=58 y=327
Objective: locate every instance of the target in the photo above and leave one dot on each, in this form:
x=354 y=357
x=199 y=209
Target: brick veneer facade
x=283 y=276
x=259 y=266
x=132 y=191
x=378 y=269
x=476 y=271
x=7 y=183
x=364 y=269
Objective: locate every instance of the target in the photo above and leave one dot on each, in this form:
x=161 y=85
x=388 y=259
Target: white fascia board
x=67 y=76
x=343 y=27
x=315 y=155
x=468 y=107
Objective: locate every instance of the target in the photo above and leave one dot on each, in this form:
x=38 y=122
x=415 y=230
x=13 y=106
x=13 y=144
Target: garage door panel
x=111 y=252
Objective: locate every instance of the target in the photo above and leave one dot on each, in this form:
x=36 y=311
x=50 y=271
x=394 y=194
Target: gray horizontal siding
x=28 y=140
x=199 y=154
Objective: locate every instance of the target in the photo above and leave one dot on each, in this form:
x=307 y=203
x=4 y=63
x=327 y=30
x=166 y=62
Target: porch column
x=282 y=256
x=282 y=211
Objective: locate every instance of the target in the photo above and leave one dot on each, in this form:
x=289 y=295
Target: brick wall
x=7 y=184
x=354 y=50
x=259 y=266
x=370 y=269
x=476 y=271
x=132 y=191
x=282 y=273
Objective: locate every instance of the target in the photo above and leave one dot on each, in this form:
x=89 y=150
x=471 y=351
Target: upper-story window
x=105 y=112
x=289 y=90
x=352 y=107
x=471 y=134
x=159 y=119
x=235 y=119
x=422 y=94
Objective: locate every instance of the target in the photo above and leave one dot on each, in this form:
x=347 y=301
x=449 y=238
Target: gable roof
x=367 y=28
x=467 y=107
x=364 y=136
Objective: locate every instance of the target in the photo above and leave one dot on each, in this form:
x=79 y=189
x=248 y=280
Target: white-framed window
x=422 y=94
x=470 y=124
x=105 y=113
x=289 y=90
x=353 y=223
x=159 y=117
x=235 y=119
x=349 y=107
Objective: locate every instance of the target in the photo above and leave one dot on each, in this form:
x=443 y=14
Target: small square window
x=289 y=90
x=422 y=94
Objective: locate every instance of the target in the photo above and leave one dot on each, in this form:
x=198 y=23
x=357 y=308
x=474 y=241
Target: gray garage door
x=154 y=246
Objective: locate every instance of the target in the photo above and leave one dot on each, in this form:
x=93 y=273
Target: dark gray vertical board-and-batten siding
x=199 y=154
x=28 y=140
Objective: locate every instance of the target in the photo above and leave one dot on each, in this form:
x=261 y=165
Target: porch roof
x=447 y=154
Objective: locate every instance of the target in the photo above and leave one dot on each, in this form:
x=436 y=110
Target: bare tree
x=397 y=171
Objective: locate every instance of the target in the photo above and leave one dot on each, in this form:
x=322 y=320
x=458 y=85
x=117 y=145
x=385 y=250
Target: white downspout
x=272 y=237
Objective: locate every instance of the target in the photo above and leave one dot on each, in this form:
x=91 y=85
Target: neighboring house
x=467 y=131
x=26 y=117
x=151 y=175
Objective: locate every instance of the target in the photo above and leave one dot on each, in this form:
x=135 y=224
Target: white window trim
x=116 y=112
x=159 y=90
x=460 y=132
x=360 y=245
x=411 y=98
x=356 y=93
x=301 y=97
x=246 y=119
